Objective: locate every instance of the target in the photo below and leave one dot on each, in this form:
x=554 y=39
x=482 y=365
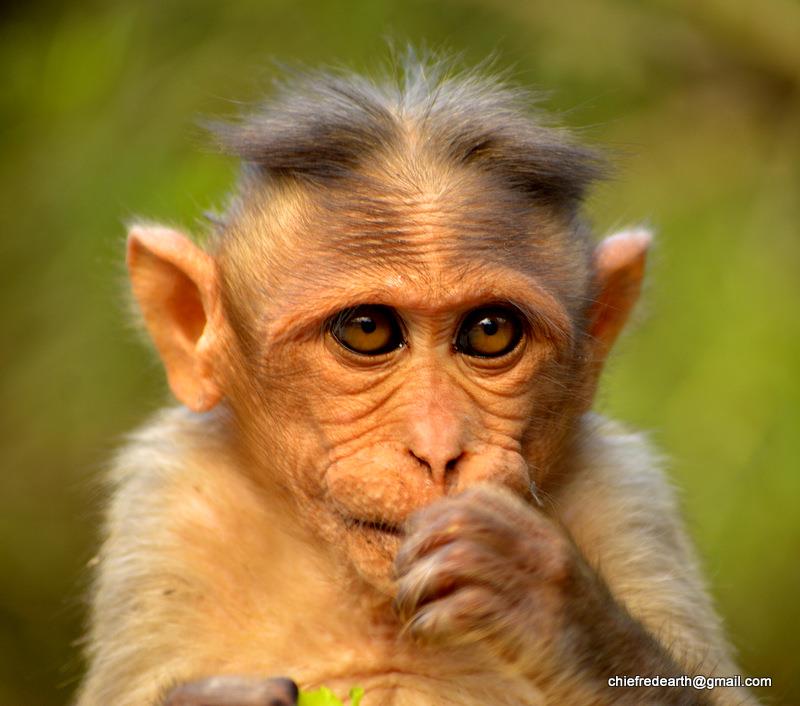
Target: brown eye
x=489 y=332
x=368 y=330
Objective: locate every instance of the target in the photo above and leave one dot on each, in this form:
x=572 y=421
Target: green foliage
x=698 y=101
x=325 y=697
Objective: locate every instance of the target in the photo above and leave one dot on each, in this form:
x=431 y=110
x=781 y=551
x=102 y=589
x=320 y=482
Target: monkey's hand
x=484 y=567
x=234 y=691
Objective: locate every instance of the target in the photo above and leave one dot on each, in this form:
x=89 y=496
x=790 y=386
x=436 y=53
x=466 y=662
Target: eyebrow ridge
x=540 y=308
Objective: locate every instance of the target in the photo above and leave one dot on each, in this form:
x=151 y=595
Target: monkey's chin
x=372 y=548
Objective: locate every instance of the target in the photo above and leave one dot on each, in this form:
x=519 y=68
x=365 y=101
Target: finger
x=460 y=519
x=466 y=616
x=235 y=691
x=443 y=571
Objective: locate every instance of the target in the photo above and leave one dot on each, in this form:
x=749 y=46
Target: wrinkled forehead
x=438 y=232
x=454 y=236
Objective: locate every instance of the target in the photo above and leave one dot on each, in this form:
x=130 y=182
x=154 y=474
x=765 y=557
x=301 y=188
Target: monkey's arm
x=486 y=567
x=622 y=514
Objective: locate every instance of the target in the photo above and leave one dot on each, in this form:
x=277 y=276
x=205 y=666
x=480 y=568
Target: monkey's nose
x=442 y=466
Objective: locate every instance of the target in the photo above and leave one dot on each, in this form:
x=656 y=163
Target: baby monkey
x=384 y=470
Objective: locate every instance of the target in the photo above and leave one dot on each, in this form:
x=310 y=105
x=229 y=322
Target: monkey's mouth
x=372 y=547
x=374 y=527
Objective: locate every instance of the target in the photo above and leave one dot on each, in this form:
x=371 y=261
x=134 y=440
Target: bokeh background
x=699 y=100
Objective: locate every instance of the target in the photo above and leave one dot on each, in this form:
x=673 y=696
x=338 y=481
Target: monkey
x=384 y=469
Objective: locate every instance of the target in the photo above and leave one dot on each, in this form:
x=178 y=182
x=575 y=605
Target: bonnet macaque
x=384 y=470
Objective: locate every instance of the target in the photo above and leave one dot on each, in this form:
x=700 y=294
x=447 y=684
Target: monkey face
x=406 y=377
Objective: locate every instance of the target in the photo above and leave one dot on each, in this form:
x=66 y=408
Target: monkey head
x=388 y=318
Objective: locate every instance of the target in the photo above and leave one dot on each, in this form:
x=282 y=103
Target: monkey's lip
x=380 y=526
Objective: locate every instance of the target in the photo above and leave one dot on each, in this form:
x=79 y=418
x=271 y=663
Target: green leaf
x=325 y=697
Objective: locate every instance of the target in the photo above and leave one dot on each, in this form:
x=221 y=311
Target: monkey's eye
x=368 y=330
x=489 y=332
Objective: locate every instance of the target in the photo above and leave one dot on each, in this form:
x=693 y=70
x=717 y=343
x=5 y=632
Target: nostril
x=419 y=460
x=451 y=464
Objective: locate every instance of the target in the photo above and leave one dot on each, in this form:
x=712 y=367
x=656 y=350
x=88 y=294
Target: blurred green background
x=98 y=103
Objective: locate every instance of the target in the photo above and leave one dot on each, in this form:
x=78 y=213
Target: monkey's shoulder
x=610 y=461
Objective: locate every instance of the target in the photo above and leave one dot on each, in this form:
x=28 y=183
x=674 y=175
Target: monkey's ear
x=619 y=263
x=175 y=285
